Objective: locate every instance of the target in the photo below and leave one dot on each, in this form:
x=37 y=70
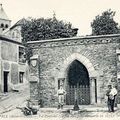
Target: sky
x=78 y=12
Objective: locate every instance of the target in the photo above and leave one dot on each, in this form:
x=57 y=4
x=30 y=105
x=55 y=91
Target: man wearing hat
x=61 y=93
x=108 y=95
x=112 y=95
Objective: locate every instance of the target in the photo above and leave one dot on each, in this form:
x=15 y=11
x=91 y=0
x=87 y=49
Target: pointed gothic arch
x=77 y=74
x=91 y=71
x=84 y=60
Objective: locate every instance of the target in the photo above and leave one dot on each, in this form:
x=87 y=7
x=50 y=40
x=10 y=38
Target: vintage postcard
x=59 y=59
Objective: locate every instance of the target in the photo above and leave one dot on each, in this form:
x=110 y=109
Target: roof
x=3 y=15
x=20 y=22
x=5 y=38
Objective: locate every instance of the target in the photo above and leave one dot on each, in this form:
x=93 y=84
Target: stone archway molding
x=85 y=61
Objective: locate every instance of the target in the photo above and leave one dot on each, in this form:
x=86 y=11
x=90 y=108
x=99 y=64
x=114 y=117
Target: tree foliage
x=104 y=24
x=41 y=29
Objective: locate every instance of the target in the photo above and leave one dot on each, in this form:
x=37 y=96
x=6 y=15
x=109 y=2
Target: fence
x=81 y=92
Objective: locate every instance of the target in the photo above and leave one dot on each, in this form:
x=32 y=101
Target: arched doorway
x=62 y=75
x=78 y=84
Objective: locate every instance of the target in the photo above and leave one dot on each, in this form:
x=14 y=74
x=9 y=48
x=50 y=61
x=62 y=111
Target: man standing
x=109 y=100
x=112 y=96
x=61 y=93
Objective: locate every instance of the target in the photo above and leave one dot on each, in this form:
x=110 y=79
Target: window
x=2 y=25
x=16 y=33
x=13 y=35
x=21 y=76
x=61 y=82
x=21 y=55
x=6 y=26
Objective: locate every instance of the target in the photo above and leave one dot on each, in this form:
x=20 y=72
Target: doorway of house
x=6 y=81
x=78 y=84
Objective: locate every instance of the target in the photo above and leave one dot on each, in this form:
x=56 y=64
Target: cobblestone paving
x=13 y=99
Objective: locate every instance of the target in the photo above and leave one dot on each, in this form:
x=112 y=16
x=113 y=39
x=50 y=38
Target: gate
x=81 y=92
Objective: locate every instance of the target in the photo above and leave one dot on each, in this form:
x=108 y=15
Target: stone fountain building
x=86 y=64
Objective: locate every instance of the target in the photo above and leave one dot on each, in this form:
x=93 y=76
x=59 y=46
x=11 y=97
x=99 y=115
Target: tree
x=104 y=24
x=41 y=29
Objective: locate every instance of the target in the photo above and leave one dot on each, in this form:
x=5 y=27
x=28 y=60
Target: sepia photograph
x=59 y=59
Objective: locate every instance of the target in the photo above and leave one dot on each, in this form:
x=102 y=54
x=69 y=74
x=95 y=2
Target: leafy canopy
x=41 y=29
x=104 y=24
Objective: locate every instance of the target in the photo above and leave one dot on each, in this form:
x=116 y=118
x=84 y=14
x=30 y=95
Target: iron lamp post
x=76 y=107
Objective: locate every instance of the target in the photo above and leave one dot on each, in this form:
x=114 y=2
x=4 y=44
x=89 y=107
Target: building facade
x=83 y=64
x=14 y=32
x=13 y=67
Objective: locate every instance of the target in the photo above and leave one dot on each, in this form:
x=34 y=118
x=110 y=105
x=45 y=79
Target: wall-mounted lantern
x=34 y=60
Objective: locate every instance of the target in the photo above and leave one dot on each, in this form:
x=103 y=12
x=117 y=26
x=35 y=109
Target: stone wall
x=9 y=51
x=14 y=73
x=53 y=54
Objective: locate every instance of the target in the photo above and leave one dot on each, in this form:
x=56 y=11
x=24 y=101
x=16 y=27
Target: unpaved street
x=54 y=114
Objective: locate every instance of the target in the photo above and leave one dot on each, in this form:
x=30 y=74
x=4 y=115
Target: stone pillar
x=34 y=79
x=33 y=90
x=92 y=90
